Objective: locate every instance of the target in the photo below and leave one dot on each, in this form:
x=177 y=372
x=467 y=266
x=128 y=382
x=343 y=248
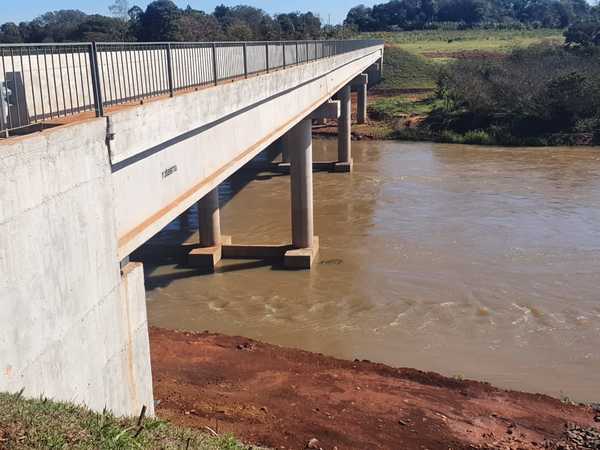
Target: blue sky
x=28 y=9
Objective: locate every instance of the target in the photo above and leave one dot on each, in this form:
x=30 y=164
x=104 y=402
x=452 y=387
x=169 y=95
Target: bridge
x=103 y=145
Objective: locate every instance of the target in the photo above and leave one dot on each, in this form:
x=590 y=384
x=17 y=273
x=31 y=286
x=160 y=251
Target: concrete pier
x=209 y=219
x=284 y=145
x=361 y=103
x=303 y=240
x=209 y=227
x=344 y=163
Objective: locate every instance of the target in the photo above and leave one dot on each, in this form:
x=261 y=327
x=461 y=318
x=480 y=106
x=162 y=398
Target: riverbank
x=406 y=104
x=282 y=398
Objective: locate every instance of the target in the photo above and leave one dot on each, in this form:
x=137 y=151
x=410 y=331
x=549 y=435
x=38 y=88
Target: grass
x=44 y=424
x=390 y=108
x=409 y=63
x=405 y=70
x=424 y=42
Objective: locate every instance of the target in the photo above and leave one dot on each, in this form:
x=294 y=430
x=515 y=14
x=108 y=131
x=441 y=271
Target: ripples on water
x=472 y=261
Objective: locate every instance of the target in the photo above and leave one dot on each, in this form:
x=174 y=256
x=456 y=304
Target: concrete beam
x=242 y=251
x=328 y=110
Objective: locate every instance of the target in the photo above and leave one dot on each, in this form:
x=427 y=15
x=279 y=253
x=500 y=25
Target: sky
x=28 y=9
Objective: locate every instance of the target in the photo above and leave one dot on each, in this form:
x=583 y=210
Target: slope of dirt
x=282 y=398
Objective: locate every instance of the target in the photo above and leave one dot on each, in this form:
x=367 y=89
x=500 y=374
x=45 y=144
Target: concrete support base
x=318 y=166
x=302 y=258
x=343 y=166
x=208 y=257
x=241 y=251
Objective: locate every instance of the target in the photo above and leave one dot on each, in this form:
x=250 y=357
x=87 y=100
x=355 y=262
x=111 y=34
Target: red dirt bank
x=281 y=398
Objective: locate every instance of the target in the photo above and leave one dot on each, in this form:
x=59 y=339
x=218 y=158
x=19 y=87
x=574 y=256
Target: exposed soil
x=282 y=398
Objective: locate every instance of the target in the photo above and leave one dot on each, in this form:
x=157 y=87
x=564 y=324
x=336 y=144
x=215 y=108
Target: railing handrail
x=40 y=82
x=84 y=43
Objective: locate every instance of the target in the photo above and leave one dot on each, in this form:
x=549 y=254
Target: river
x=476 y=262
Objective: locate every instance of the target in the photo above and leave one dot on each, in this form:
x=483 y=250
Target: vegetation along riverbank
x=497 y=87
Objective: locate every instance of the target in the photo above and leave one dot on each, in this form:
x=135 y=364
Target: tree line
x=163 y=20
x=430 y=14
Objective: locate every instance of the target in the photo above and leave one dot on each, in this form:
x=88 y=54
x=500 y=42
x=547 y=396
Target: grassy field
x=499 y=41
x=42 y=424
x=413 y=60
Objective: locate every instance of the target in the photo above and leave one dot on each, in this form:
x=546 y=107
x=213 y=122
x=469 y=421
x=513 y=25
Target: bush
x=534 y=92
x=478 y=137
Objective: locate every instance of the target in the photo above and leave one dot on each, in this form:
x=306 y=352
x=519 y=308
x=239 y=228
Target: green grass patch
x=495 y=41
x=408 y=63
x=392 y=108
x=404 y=70
x=44 y=424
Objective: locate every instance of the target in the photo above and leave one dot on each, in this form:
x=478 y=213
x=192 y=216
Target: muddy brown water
x=477 y=262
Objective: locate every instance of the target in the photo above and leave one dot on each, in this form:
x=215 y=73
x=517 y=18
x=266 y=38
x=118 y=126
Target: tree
x=10 y=33
x=198 y=26
x=470 y=12
x=238 y=30
x=120 y=9
x=100 y=28
x=361 y=18
x=57 y=26
x=160 y=22
x=583 y=34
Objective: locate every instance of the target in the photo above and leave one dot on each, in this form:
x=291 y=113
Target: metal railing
x=42 y=82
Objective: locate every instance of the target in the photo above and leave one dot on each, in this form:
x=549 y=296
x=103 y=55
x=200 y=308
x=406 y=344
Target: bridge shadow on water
x=165 y=255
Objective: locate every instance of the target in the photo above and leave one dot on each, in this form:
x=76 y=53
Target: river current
x=479 y=262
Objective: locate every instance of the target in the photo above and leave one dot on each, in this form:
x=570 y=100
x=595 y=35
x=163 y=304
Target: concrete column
x=344 y=125
x=209 y=221
x=361 y=115
x=344 y=163
x=285 y=151
x=280 y=146
x=300 y=139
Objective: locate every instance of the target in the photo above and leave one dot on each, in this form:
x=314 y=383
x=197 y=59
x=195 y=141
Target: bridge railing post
x=97 y=91
x=283 y=52
x=267 y=56
x=245 y=60
x=214 y=64
x=170 y=70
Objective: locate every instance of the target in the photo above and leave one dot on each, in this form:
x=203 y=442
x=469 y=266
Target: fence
x=43 y=82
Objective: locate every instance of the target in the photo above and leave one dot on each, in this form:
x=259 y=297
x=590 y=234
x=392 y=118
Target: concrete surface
x=344 y=125
x=72 y=328
x=302 y=258
x=209 y=219
x=301 y=182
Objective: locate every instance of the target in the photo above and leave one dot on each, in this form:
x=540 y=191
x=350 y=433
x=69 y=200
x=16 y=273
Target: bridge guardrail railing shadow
x=40 y=83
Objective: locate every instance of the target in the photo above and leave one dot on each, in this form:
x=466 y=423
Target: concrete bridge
x=102 y=146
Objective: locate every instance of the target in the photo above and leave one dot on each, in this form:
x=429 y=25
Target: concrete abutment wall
x=72 y=327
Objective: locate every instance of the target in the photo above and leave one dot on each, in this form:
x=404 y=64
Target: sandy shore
x=282 y=398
